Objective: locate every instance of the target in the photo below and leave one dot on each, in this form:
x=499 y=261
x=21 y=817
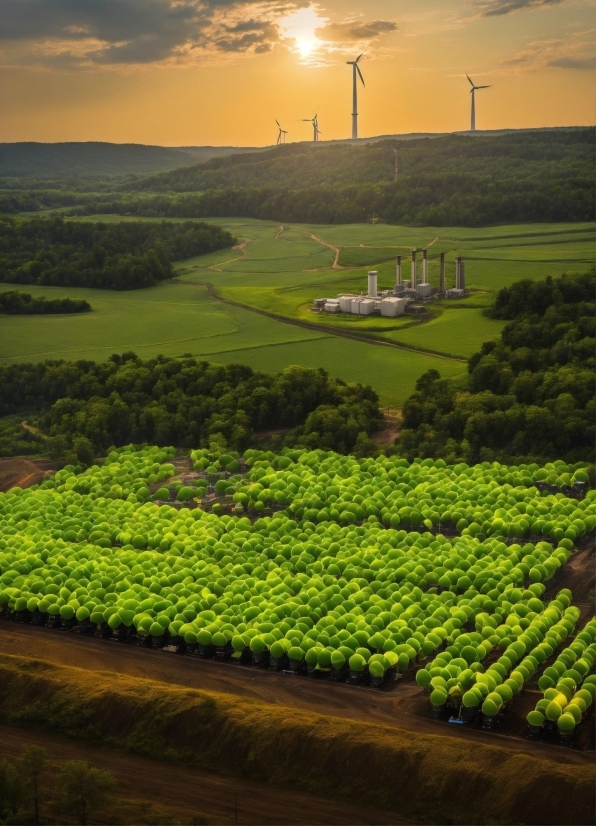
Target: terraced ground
x=252 y=304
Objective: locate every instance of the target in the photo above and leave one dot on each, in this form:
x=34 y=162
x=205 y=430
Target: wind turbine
x=315 y=126
x=472 y=90
x=281 y=137
x=355 y=70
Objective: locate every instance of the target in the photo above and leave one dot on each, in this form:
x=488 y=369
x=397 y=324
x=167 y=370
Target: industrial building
x=400 y=299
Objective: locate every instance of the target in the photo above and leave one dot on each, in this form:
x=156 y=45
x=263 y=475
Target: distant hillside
x=556 y=154
x=55 y=160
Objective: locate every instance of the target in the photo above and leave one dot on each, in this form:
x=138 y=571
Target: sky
x=221 y=72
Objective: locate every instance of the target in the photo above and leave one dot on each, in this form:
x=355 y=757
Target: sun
x=300 y=26
x=305 y=46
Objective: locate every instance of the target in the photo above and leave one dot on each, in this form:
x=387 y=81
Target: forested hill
x=456 y=180
x=559 y=155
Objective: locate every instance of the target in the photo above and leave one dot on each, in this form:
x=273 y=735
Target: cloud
x=575 y=51
x=573 y=62
x=79 y=33
x=355 y=31
x=494 y=8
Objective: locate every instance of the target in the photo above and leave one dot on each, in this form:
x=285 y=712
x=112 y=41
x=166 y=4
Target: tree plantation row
x=353 y=579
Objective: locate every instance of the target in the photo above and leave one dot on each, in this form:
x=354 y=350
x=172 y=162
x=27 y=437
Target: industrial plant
x=406 y=296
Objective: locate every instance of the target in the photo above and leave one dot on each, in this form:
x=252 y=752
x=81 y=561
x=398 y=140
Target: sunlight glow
x=300 y=26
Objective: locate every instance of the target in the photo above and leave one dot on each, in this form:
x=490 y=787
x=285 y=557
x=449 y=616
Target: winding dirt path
x=241 y=247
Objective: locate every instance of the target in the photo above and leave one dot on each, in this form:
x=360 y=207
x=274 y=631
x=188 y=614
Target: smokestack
x=398 y=270
x=462 y=275
x=425 y=266
x=413 y=284
x=458 y=272
x=442 y=273
x=372 y=284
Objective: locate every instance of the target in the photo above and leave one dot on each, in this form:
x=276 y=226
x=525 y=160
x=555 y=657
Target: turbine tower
x=315 y=127
x=473 y=115
x=355 y=71
x=281 y=137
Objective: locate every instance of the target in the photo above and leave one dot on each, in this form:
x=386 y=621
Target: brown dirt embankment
x=156 y=793
x=426 y=777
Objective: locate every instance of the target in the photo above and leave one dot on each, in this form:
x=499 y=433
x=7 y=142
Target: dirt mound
x=426 y=777
x=24 y=472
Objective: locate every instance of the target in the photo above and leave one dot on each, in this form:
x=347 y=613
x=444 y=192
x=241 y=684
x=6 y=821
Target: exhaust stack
x=425 y=266
x=372 y=284
x=442 y=273
x=413 y=281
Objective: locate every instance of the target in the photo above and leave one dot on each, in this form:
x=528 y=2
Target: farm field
x=394 y=584
x=277 y=272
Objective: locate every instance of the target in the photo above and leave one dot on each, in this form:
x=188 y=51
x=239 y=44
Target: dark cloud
x=137 y=31
x=493 y=8
x=356 y=31
x=573 y=62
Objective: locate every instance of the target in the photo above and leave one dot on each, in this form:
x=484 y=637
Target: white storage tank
x=367 y=306
x=355 y=306
x=332 y=306
x=391 y=307
x=424 y=290
x=372 y=284
x=345 y=303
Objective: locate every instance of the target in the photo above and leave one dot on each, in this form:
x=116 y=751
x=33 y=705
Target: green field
x=280 y=271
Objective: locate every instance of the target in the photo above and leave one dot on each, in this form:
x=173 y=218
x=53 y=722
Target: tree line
x=28 y=792
x=121 y=256
x=440 y=199
x=83 y=408
x=14 y=302
x=529 y=395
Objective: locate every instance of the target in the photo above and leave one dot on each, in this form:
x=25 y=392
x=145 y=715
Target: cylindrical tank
x=398 y=270
x=425 y=266
x=413 y=277
x=442 y=273
x=372 y=284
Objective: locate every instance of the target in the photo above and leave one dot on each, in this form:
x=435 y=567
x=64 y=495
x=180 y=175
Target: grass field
x=279 y=271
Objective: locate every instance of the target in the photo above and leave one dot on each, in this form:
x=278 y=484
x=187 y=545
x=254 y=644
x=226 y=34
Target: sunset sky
x=195 y=72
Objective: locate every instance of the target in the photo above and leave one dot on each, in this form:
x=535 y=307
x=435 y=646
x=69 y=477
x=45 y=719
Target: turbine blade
x=360 y=74
x=358 y=58
x=277 y=122
x=468 y=76
x=483 y=87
